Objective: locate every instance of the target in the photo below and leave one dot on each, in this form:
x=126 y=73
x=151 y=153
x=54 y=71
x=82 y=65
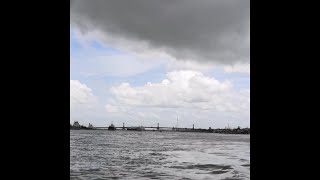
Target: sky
x=172 y=62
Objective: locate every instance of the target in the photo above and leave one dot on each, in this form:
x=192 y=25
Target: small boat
x=111 y=127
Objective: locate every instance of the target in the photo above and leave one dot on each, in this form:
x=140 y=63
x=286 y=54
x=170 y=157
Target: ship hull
x=135 y=129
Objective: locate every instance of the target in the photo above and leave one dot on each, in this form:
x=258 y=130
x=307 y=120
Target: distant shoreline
x=216 y=131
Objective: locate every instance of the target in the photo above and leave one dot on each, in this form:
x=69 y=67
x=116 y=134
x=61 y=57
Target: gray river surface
x=103 y=154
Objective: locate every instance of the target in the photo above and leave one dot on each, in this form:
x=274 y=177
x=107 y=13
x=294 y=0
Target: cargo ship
x=111 y=127
x=77 y=126
x=138 y=128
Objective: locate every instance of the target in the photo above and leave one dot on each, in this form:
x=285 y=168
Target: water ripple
x=154 y=155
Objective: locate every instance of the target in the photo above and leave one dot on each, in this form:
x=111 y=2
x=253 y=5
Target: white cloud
x=80 y=93
x=82 y=99
x=192 y=96
x=182 y=89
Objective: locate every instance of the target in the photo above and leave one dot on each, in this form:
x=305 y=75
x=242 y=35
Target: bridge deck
x=131 y=127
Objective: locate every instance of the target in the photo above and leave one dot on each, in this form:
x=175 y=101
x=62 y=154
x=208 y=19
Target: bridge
x=126 y=127
x=147 y=127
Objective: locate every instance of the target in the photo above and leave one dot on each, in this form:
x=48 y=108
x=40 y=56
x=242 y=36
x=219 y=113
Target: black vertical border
x=36 y=82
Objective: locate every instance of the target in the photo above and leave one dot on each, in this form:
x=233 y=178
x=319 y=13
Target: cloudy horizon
x=152 y=62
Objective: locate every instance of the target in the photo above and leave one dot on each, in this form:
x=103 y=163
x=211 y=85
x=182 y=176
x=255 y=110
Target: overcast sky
x=145 y=62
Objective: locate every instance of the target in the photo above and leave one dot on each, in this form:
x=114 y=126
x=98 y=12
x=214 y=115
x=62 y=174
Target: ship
x=111 y=127
x=75 y=125
x=138 y=128
x=90 y=126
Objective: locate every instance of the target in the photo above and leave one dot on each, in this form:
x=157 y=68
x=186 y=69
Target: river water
x=102 y=154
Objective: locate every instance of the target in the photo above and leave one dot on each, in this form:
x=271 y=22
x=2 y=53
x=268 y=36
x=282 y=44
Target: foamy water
x=102 y=154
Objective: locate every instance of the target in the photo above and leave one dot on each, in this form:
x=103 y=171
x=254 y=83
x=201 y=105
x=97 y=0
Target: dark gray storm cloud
x=203 y=30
